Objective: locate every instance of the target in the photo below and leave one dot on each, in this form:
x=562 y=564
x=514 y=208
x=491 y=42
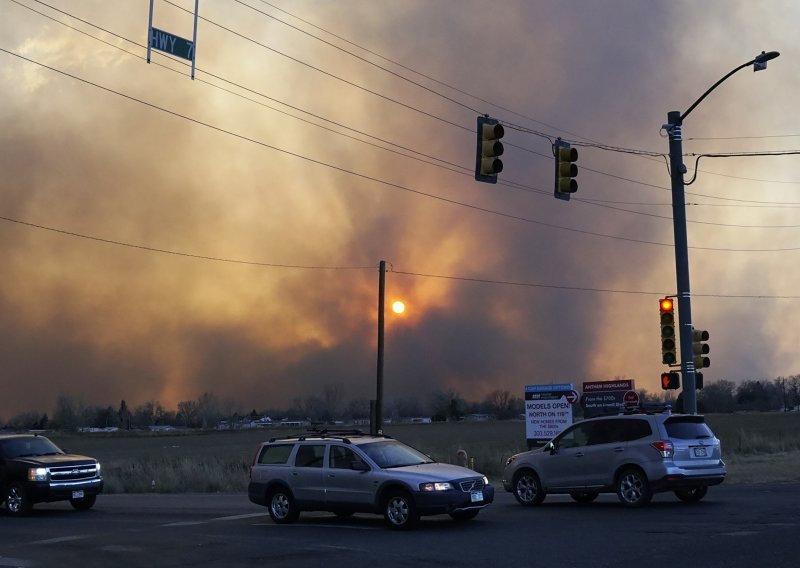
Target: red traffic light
x=665 y=304
x=670 y=381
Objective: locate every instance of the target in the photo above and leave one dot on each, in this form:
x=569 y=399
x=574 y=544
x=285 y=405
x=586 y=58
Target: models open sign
x=548 y=410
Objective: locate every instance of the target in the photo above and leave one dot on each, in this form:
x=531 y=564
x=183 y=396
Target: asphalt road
x=735 y=526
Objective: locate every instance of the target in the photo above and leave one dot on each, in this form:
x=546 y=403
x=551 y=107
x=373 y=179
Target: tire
x=282 y=507
x=583 y=496
x=400 y=511
x=692 y=494
x=527 y=488
x=633 y=489
x=83 y=504
x=465 y=515
x=17 y=502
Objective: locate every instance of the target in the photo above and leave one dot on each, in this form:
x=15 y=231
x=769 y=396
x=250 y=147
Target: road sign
x=548 y=411
x=172 y=44
x=630 y=397
x=601 y=397
x=572 y=396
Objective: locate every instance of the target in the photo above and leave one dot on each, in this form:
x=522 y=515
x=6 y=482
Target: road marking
x=59 y=539
x=237 y=517
x=184 y=523
x=18 y=562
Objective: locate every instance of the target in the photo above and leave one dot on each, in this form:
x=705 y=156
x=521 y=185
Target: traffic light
x=698 y=380
x=700 y=348
x=669 y=355
x=566 y=169
x=671 y=380
x=489 y=148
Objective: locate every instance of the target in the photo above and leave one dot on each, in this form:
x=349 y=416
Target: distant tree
x=758 y=395
x=188 y=415
x=124 y=415
x=67 y=413
x=447 y=406
x=30 y=420
x=718 y=396
x=357 y=409
x=503 y=404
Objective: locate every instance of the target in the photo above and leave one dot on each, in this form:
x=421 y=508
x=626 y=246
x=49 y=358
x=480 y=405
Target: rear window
x=275 y=455
x=688 y=428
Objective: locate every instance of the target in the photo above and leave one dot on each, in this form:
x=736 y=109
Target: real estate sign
x=548 y=411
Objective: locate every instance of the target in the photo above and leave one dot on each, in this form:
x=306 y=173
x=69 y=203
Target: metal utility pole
x=377 y=426
x=678 y=169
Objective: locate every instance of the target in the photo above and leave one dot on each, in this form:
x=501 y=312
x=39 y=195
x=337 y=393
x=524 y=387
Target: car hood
x=436 y=471
x=60 y=459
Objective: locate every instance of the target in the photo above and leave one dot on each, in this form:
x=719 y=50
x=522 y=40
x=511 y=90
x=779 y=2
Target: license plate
x=700 y=452
x=77 y=494
x=476 y=496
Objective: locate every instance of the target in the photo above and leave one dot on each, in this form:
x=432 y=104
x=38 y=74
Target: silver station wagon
x=348 y=472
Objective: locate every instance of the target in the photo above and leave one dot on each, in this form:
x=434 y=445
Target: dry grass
x=756 y=447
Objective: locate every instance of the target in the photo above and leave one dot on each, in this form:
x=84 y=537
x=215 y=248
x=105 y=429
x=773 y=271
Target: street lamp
x=678 y=169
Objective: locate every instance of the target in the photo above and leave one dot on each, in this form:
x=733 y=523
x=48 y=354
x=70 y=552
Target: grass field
x=757 y=447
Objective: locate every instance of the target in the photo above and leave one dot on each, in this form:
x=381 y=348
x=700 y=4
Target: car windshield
x=391 y=453
x=28 y=447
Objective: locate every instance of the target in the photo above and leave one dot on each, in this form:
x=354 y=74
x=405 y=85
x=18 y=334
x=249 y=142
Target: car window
x=574 y=437
x=342 y=458
x=391 y=453
x=310 y=455
x=274 y=455
x=22 y=447
x=687 y=428
x=634 y=429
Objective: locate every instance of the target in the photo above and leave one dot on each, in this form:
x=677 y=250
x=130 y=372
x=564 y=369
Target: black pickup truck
x=34 y=470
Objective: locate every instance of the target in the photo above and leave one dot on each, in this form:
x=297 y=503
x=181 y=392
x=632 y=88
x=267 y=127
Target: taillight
x=664 y=447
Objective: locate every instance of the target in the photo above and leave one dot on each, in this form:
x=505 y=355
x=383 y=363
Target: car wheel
x=281 y=506
x=583 y=496
x=693 y=494
x=633 y=489
x=83 y=504
x=465 y=515
x=399 y=511
x=17 y=502
x=527 y=488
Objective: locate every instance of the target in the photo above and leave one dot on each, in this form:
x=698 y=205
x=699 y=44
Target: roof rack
x=336 y=434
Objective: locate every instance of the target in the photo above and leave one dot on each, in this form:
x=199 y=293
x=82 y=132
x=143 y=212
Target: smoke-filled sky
x=163 y=237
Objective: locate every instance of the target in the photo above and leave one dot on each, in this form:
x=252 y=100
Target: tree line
x=208 y=410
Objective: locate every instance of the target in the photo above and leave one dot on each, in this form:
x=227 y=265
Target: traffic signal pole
x=678 y=169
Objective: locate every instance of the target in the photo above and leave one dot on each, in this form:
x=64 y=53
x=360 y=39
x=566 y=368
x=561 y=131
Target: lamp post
x=678 y=169
x=377 y=415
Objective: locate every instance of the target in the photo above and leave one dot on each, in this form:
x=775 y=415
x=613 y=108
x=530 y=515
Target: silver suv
x=347 y=472
x=632 y=454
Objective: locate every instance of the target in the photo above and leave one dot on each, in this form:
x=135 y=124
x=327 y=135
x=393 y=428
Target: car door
x=307 y=476
x=349 y=482
x=564 y=467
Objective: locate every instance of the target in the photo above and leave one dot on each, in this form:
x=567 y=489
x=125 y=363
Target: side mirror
x=359 y=465
x=551 y=447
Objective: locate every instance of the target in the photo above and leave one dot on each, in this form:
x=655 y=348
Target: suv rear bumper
x=682 y=481
x=44 y=492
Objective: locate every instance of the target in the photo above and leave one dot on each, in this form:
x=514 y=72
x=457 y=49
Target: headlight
x=485 y=480
x=98 y=469
x=37 y=474
x=438 y=486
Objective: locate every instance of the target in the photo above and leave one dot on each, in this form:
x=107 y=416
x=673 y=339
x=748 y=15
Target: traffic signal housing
x=700 y=348
x=698 y=380
x=489 y=149
x=671 y=380
x=669 y=354
x=566 y=169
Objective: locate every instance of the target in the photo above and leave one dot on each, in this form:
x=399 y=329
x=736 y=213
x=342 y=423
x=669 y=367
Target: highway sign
x=172 y=44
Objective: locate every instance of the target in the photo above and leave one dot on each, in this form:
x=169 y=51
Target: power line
x=458 y=168
x=372 y=178
x=370 y=267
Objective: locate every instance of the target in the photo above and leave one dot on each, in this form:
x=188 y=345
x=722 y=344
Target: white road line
x=60 y=539
x=237 y=517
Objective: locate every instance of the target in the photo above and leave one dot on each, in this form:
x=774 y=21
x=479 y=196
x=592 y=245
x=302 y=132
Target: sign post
x=170 y=43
